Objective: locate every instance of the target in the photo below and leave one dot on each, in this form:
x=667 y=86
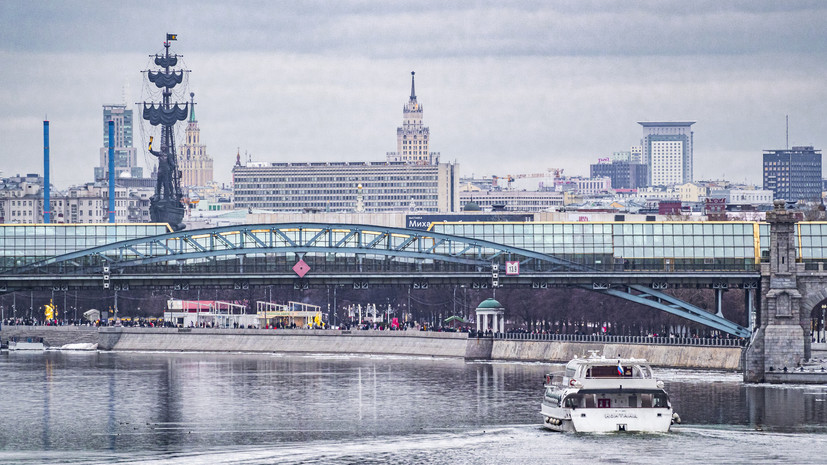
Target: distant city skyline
x=532 y=85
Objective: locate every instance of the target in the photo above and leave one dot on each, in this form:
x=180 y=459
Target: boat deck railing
x=649 y=340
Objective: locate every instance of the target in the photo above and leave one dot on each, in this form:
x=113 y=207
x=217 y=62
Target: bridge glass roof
x=620 y=240
x=730 y=244
x=678 y=245
x=26 y=243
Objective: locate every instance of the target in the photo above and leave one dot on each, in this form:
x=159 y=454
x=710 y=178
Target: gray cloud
x=540 y=84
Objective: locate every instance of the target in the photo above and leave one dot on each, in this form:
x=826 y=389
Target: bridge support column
x=719 y=295
x=780 y=341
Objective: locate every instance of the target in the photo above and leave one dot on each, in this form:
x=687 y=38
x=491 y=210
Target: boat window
x=632 y=401
x=610 y=371
x=661 y=400
x=571 y=402
x=553 y=395
x=646 y=400
x=604 y=403
x=589 y=400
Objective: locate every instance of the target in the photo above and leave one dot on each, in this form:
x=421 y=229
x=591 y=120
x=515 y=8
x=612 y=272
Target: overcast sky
x=506 y=87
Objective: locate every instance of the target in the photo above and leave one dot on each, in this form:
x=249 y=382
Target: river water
x=183 y=408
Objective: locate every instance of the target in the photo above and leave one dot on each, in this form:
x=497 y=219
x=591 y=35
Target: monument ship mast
x=166 y=205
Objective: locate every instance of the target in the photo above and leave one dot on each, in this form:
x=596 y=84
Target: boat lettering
x=620 y=415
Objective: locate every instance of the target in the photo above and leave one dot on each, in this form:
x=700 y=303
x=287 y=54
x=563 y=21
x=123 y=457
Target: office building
x=793 y=174
x=413 y=138
x=344 y=187
x=666 y=150
x=126 y=157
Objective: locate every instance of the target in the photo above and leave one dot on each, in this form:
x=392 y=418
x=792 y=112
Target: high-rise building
x=793 y=174
x=196 y=166
x=126 y=157
x=413 y=138
x=346 y=187
x=666 y=149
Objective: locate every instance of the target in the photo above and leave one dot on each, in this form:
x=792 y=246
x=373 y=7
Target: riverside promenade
x=528 y=348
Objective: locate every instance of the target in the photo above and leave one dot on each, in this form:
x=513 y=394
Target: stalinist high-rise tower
x=413 y=139
x=196 y=166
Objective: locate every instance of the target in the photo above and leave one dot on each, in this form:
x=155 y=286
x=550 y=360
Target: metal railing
x=610 y=339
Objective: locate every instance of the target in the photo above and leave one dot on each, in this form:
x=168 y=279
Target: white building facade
x=344 y=187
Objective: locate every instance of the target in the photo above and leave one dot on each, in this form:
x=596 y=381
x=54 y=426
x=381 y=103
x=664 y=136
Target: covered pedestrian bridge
x=306 y=254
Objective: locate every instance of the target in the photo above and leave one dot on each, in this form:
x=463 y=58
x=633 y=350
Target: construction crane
x=509 y=178
x=495 y=179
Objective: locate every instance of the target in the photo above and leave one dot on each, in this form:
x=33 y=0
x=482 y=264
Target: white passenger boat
x=598 y=394
x=30 y=343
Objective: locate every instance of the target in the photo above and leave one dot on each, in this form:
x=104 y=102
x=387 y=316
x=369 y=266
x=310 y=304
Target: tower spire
x=413 y=93
x=192 y=107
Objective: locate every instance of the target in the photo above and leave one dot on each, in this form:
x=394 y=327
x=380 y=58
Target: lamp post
x=454 y=300
x=823 y=332
x=465 y=311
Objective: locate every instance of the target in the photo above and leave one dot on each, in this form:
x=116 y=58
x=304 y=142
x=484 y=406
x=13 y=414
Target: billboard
x=423 y=222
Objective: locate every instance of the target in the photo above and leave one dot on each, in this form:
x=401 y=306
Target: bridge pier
x=781 y=342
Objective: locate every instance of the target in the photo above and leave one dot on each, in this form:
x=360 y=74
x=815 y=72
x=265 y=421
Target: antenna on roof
x=788 y=132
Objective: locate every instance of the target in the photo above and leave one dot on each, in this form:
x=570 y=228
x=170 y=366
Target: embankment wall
x=53 y=336
x=726 y=358
x=419 y=343
x=286 y=341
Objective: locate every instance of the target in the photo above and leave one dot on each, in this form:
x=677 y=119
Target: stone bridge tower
x=782 y=335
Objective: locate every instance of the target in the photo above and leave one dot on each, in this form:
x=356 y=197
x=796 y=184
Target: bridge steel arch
x=333 y=251
x=302 y=239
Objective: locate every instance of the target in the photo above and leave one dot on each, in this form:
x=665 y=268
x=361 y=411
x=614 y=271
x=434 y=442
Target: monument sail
x=166 y=205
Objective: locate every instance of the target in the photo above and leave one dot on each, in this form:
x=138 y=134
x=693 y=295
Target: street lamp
x=454 y=300
x=823 y=332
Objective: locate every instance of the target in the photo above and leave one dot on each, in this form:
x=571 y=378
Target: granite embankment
x=418 y=343
x=727 y=358
x=53 y=336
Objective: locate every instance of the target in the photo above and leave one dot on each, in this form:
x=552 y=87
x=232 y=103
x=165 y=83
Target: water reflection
x=797 y=408
x=170 y=402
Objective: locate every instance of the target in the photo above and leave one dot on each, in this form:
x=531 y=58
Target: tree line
x=555 y=310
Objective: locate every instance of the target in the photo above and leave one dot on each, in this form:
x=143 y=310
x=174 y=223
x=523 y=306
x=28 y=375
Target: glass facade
x=619 y=246
x=668 y=246
x=23 y=244
x=794 y=174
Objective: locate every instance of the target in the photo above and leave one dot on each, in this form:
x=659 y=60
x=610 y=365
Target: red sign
x=301 y=268
x=512 y=268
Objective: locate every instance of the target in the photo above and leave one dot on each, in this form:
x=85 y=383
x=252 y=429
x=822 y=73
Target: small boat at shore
x=29 y=343
x=600 y=395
